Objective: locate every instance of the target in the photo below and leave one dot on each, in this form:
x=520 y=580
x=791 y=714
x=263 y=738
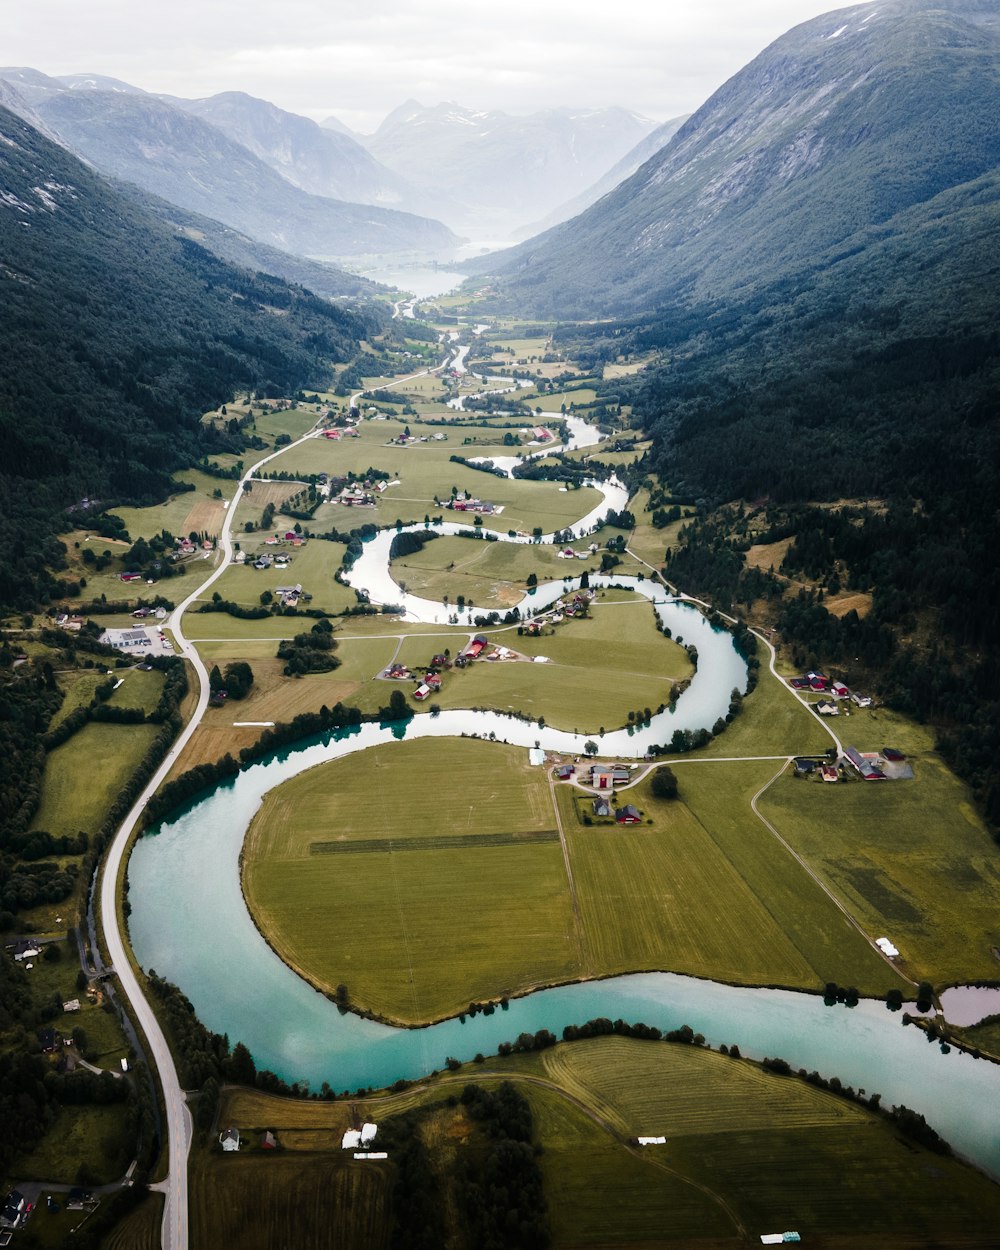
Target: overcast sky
x=359 y=60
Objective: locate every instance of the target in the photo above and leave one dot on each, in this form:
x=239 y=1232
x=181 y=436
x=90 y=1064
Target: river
x=193 y=926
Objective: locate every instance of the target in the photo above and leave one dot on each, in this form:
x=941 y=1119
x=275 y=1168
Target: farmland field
x=312 y=567
x=254 y=1200
x=911 y=859
x=180 y=512
x=448 y=852
x=84 y=775
x=437 y=860
x=744 y=1146
x=591 y=679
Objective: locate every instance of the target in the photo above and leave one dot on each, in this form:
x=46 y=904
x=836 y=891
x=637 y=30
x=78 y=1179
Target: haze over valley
x=499 y=692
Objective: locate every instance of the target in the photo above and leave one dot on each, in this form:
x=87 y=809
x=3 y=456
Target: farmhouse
x=564 y=772
x=867 y=768
x=476 y=647
x=628 y=815
x=230 y=1139
x=827 y=708
x=602 y=806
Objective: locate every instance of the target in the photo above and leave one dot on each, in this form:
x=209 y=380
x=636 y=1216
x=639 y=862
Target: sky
x=359 y=60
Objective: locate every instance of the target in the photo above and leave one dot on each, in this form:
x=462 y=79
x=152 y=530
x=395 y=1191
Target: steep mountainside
x=116 y=336
x=193 y=164
x=805 y=155
x=324 y=162
x=494 y=170
x=625 y=168
x=239 y=249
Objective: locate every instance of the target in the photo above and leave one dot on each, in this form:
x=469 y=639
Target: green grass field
x=491 y=575
x=911 y=859
x=84 y=776
x=141 y=690
x=591 y=679
x=425 y=471
x=191 y=510
x=701 y=886
x=448 y=853
x=771 y=722
x=312 y=567
x=745 y=1148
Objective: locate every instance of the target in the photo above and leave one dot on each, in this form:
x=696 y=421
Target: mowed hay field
x=780 y=1153
x=705 y=889
x=275 y=1201
x=85 y=774
x=428 y=879
x=744 y=1147
x=277 y=698
x=911 y=859
x=179 y=513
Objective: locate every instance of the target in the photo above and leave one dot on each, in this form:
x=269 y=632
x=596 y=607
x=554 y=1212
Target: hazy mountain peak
x=98 y=82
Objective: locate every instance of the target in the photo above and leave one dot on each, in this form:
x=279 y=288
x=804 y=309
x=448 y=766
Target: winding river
x=193 y=926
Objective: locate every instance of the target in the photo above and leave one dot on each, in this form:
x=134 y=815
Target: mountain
x=116 y=336
x=625 y=168
x=321 y=161
x=492 y=170
x=808 y=154
x=336 y=125
x=246 y=253
x=191 y=163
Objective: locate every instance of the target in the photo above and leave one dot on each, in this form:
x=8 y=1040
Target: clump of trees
x=311 y=652
x=664 y=784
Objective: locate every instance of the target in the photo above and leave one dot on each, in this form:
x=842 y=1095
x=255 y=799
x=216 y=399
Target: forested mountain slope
x=115 y=336
x=806 y=155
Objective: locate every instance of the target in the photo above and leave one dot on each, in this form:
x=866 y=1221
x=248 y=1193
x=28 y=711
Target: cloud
x=326 y=56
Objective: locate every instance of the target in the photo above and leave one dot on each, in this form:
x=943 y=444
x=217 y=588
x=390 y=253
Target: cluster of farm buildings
x=430 y=683
x=836 y=692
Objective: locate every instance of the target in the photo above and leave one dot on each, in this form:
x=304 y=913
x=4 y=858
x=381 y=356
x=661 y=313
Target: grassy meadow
x=590 y=679
x=910 y=859
x=747 y=1151
x=197 y=510
x=700 y=886
x=84 y=775
x=449 y=852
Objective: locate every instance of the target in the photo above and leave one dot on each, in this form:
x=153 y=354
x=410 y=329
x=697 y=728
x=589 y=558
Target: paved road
x=174 y=1234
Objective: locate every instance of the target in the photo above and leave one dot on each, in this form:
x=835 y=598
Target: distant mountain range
x=270 y=174
x=321 y=161
x=191 y=162
x=494 y=171
x=807 y=156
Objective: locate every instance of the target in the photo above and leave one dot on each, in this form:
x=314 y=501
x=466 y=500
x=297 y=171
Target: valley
x=506 y=758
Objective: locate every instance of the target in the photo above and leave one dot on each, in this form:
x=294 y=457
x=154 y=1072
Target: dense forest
x=116 y=336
